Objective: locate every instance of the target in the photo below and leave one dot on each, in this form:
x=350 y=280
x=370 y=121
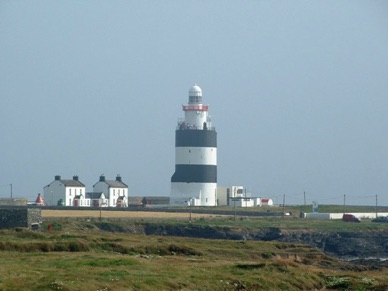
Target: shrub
x=267 y=255
x=183 y=250
x=336 y=282
x=117 y=248
x=78 y=246
x=250 y=266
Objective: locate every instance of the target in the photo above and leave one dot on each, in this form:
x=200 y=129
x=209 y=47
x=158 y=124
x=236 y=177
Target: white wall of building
x=242 y=202
x=71 y=193
x=181 y=193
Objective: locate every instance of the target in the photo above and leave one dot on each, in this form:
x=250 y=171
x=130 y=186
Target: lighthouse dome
x=195 y=91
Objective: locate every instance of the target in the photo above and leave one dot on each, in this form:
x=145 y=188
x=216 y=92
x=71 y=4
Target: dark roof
x=94 y=195
x=72 y=183
x=116 y=184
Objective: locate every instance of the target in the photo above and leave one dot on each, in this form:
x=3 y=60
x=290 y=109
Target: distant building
x=65 y=192
x=97 y=199
x=39 y=200
x=115 y=191
x=236 y=196
x=225 y=193
x=266 y=202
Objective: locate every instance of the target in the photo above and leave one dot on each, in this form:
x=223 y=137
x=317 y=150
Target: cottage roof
x=116 y=184
x=94 y=195
x=72 y=183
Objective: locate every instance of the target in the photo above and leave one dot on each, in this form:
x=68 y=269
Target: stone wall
x=11 y=217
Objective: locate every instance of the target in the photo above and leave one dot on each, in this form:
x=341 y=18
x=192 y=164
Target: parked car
x=350 y=218
x=380 y=219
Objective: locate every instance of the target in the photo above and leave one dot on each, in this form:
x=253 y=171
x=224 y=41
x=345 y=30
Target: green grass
x=91 y=259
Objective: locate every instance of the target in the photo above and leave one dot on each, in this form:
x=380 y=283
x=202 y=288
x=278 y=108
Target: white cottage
x=115 y=191
x=97 y=199
x=65 y=192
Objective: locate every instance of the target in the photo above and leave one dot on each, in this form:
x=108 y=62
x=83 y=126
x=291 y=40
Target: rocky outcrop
x=340 y=244
x=344 y=244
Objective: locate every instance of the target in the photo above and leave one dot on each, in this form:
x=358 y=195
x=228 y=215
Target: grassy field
x=77 y=255
x=288 y=223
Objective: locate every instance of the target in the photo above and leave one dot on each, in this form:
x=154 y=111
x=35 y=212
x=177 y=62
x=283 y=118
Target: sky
x=297 y=91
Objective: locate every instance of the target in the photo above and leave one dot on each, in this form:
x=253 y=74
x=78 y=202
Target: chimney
x=57 y=178
x=75 y=178
x=102 y=178
x=118 y=178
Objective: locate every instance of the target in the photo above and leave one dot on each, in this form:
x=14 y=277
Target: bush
x=267 y=255
x=336 y=282
x=184 y=250
x=250 y=266
x=78 y=246
x=117 y=248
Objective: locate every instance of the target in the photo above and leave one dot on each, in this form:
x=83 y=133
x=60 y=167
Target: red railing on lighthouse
x=195 y=107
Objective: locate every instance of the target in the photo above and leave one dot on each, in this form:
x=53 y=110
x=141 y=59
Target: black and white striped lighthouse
x=195 y=179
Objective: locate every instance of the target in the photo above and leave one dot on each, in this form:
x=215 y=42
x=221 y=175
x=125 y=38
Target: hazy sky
x=297 y=90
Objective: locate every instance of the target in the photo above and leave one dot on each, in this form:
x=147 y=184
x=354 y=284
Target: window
x=69 y=192
x=80 y=191
x=69 y=202
x=195 y=99
x=114 y=192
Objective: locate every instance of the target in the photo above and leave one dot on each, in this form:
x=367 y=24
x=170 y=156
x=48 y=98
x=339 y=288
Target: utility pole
x=234 y=206
x=11 y=190
x=245 y=198
x=190 y=210
x=284 y=201
x=304 y=194
x=344 y=202
x=376 y=205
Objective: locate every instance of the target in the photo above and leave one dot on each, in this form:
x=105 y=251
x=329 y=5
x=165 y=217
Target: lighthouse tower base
x=193 y=194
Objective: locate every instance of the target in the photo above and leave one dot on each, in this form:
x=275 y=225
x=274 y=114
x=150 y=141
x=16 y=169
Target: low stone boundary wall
x=11 y=217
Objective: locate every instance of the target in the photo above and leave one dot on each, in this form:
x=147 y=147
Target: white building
x=97 y=199
x=65 y=192
x=266 y=202
x=115 y=191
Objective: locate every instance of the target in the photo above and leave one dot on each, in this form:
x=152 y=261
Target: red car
x=350 y=218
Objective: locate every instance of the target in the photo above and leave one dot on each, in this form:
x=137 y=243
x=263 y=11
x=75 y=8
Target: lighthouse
x=194 y=181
